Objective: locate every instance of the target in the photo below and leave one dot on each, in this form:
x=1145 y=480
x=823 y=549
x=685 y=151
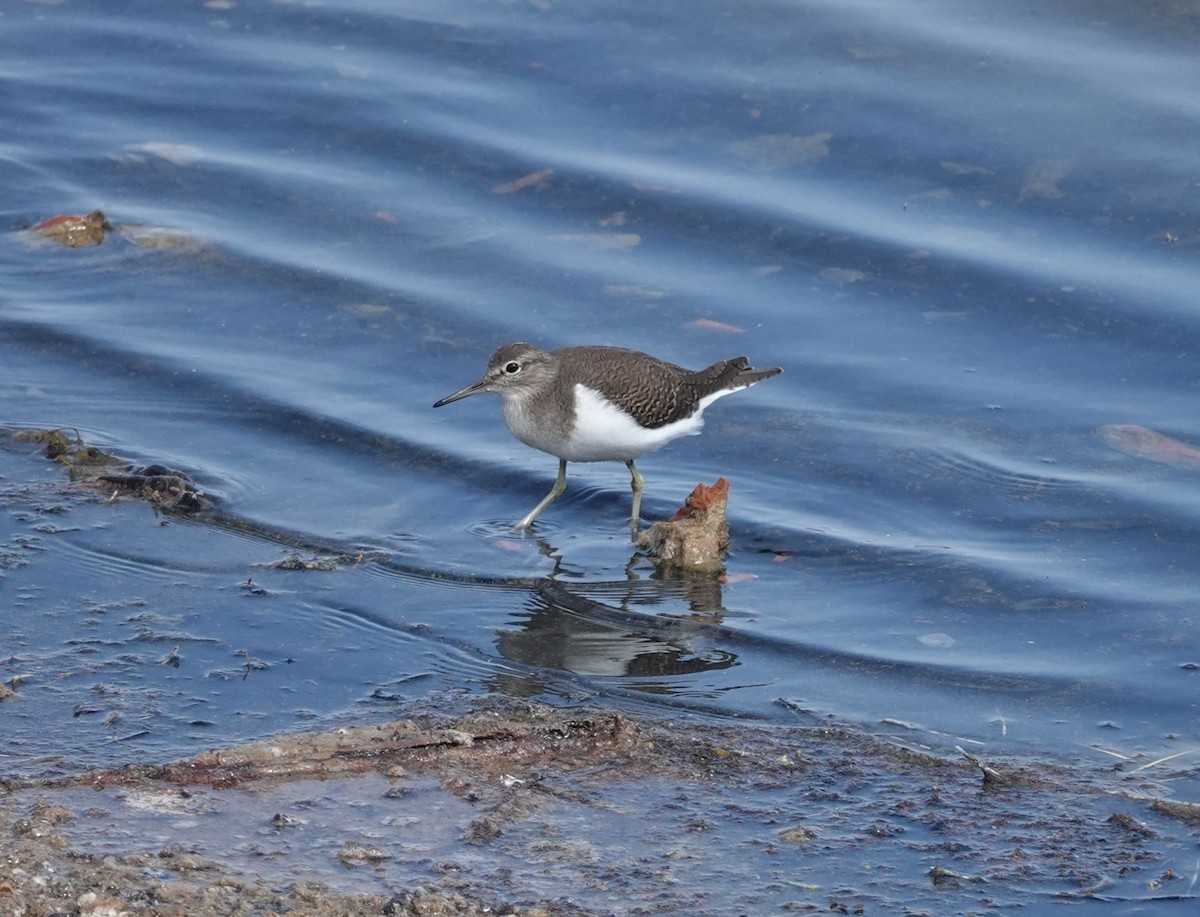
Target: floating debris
x=353 y=854
x=708 y=324
x=525 y=181
x=252 y=588
x=162 y=487
x=61 y=448
x=1132 y=825
x=1188 y=812
x=994 y=777
x=74 y=231
x=324 y=563
x=798 y=835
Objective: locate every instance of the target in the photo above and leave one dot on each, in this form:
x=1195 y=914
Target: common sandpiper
x=602 y=404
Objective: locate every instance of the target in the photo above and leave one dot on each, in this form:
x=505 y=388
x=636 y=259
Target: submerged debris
x=993 y=777
x=525 y=181
x=1144 y=443
x=1188 y=812
x=1043 y=177
x=68 y=451
x=1132 y=825
x=353 y=854
x=164 y=488
x=324 y=563
x=782 y=151
x=164 y=238
x=697 y=536
x=939 y=875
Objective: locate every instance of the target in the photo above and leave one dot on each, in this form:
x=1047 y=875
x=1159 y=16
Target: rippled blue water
x=967 y=231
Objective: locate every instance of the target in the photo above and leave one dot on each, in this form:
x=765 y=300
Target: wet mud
x=528 y=809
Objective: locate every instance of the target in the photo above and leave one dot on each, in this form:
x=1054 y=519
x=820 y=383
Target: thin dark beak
x=473 y=389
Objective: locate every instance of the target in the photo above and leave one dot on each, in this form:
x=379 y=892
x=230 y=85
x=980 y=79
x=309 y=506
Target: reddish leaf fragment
x=708 y=324
x=525 y=181
x=731 y=579
x=702 y=497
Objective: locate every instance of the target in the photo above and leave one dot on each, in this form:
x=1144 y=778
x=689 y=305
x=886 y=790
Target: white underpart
x=605 y=433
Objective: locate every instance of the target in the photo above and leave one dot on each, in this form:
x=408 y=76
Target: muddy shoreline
x=513 y=809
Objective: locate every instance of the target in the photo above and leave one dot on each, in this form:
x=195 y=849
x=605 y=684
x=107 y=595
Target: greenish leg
x=636 y=518
x=555 y=492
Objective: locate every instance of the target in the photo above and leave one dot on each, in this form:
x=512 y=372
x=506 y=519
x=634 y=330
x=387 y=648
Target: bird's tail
x=730 y=375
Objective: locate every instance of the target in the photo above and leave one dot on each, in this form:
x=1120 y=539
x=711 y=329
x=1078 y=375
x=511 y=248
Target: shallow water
x=967 y=233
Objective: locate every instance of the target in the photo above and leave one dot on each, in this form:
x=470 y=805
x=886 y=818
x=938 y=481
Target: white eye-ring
x=512 y=368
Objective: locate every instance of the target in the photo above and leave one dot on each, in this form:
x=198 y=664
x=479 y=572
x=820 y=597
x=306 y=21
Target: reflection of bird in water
x=558 y=637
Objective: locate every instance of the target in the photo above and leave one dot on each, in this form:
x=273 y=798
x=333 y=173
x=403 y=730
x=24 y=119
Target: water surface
x=966 y=231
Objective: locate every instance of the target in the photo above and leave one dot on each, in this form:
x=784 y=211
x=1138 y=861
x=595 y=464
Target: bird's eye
x=512 y=368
